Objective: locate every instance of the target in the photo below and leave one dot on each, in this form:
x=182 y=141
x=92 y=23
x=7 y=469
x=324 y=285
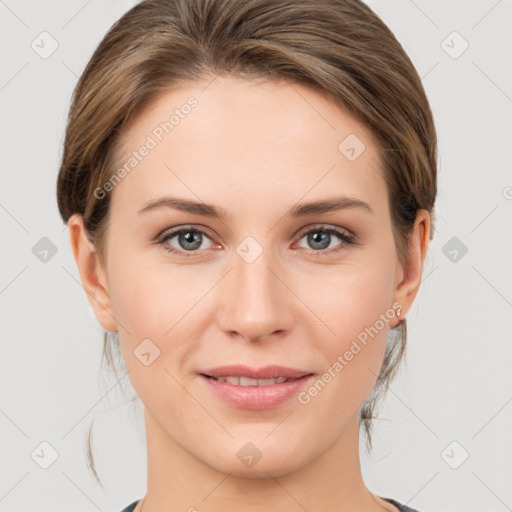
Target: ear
x=92 y=273
x=411 y=271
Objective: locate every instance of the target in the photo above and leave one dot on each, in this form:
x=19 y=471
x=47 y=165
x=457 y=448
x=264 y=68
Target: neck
x=332 y=481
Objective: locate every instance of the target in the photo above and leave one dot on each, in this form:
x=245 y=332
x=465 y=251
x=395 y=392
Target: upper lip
x=267 y=372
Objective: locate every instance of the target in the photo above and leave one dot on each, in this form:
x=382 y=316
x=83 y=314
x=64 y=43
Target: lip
x=256 y=397
x=267 y=372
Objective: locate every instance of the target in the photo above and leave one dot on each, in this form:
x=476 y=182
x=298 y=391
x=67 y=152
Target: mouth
x=257 y=389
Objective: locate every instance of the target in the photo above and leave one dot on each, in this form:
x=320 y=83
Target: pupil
x=192 y=238
x=321 y=239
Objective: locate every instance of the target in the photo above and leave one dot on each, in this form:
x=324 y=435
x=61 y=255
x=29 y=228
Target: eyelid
x=322 y=226
x=207 y=231
x=167 y=232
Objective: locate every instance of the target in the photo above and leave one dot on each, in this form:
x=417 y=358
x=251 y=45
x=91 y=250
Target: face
x=267 y=282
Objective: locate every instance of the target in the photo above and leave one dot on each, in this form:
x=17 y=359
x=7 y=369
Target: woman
x=249 y=189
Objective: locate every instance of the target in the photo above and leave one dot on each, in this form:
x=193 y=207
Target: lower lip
x=257 y=397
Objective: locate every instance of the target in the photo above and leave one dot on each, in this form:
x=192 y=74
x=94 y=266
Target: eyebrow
x=299 y=210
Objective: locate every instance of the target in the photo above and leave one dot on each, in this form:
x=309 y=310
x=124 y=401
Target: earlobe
x=92 y=275
x=417 y=243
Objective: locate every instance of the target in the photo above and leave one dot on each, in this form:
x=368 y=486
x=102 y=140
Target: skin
x=254 y=148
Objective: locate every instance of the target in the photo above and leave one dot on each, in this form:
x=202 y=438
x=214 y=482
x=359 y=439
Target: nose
x=256 y=303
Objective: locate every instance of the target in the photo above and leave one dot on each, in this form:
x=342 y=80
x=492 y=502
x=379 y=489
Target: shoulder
x=398 y=505
x=130 y=507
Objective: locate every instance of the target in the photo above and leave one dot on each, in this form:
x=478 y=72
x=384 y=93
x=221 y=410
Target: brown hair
x=339 y=47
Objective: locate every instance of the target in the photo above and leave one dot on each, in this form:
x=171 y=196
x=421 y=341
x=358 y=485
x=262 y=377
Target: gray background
x=453 y=396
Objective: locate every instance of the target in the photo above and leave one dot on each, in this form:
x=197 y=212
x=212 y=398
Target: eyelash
x=346 y=239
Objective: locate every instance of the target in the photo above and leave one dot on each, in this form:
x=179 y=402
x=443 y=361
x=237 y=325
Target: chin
x=267 y=462
x=261 y=470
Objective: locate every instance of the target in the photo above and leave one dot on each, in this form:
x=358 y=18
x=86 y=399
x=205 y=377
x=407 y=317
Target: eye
x=188 y=240
x=320 y=238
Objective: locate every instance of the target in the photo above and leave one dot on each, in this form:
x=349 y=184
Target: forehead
x=230 y=136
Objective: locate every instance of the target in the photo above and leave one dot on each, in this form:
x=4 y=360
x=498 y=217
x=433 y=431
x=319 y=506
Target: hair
x=338 y=47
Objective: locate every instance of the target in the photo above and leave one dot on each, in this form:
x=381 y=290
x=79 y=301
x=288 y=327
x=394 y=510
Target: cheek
x=160 y=303
x=352 y=361
x=150 y=298
x=356 y=307
x=151 y=304
x=350 y=298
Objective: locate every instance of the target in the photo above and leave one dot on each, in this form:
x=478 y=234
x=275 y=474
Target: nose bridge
x=257 y=302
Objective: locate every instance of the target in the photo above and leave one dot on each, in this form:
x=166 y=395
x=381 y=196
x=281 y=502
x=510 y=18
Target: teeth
x=246 y=381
